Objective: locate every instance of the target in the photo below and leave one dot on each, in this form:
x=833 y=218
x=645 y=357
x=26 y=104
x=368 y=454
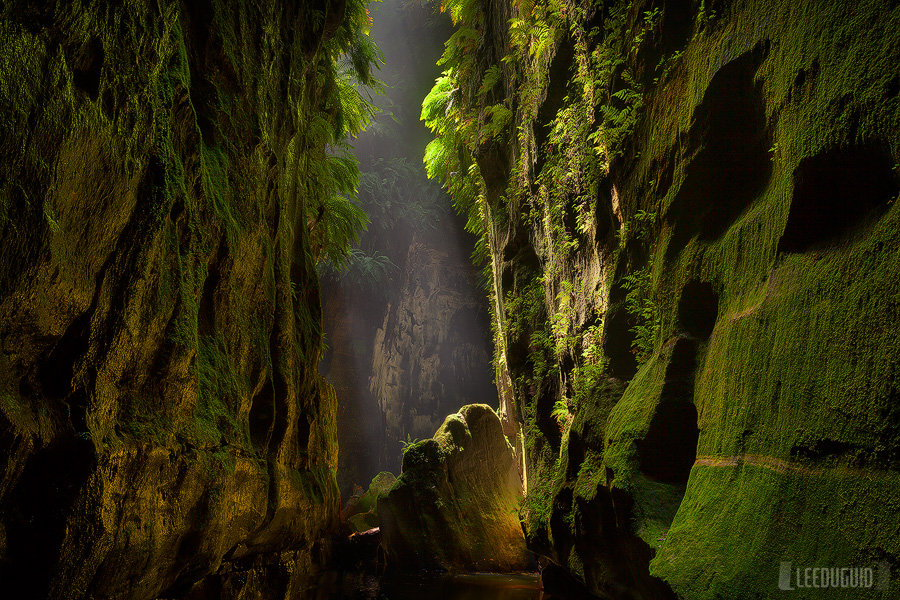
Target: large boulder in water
x=455 y=504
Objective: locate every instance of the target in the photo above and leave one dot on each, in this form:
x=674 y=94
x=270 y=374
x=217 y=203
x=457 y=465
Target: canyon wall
x=163 y=426
x=403 y=356
x=408 y=337
x=690 y=214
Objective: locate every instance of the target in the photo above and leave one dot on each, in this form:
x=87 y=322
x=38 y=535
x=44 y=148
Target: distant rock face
x=162 y=422
x=402 y=361
x=455 y=504
x=431 y=353
x=418 y=346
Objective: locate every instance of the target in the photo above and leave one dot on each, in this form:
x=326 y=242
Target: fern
x=337 y=226
x=640 y=305
x=560 y=412
x=360 y=271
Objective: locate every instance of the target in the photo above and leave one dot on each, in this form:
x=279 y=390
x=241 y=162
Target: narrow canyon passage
x=471 y=299
x=407 y=321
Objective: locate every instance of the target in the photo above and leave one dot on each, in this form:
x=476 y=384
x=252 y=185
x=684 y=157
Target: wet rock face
x=431 y=354
x=745 y=408
x=402 y=360
x=161 y=418
x=455 y=504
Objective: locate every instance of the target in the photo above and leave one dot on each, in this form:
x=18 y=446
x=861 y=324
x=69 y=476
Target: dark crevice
x=606 y=222
x=731 y=165
x=262 y=415
x=666 y=172
x=679 y=381
x=87 y=65
x=836 y=191
x=575 y=457
x=669 y=449
x=42 y=500
x=698 y=309
x=56 y=372
x=303 y=430
x=544 y=419
x=892 y=88
x=206 y=310
x=559 y=75
x=804 y=81
x=617 y=342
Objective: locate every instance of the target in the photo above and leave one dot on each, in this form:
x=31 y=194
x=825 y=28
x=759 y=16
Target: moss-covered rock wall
x=162 y=422
x=689 y=213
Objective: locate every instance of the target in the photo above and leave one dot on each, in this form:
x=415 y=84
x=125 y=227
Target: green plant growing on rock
x=408 y=443
x=336 y=219
x=641 y=306
x=589 y=372
x=561 y=412
x=561 y=321
x=360 y=270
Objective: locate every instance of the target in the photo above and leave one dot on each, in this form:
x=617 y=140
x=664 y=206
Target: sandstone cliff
x=689 y=210
x=454 y=506
x=162 y=422
x=411 y=345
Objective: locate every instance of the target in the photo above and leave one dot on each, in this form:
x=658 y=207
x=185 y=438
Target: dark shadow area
x=558 y=79
x=672 y=35
x=679 y=381
x=87 y=65
x=543 y=414
x=262 y=415
x=617 y=341
x=606 y=221
x=829 y=451
x=731 y=165
x=888 y=454
x=303 y=429
x=892 y=87
x=56 y=372
x=560 y=530
x=836 y=191
x=559 y=583
x=575 y=456
x=36 y=512
x=669 y=449
x=698 y=309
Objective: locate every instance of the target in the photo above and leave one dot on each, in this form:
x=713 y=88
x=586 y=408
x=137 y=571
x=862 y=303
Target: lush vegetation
x=336 y=219
x=562 y=158
x=614 y=122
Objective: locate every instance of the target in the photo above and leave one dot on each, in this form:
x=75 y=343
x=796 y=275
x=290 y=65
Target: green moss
x=801 y=365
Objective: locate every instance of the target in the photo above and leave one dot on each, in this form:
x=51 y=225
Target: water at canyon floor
x=469 y=586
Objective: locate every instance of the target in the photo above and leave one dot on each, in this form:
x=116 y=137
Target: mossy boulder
x=455 y=504
x=364 y=513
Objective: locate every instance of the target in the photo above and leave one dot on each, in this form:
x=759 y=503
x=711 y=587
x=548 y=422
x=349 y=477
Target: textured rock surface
x=402 y=361
x=454 y=505
x=161 y=416
x=414 y=347
x=693 y=225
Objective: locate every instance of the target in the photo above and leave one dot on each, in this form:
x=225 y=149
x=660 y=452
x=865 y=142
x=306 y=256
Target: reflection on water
x=470 y=586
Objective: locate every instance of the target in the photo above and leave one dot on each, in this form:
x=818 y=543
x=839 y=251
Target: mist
x=407 y=322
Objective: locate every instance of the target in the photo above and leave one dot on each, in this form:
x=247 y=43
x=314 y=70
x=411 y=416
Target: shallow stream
x=470 y=586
